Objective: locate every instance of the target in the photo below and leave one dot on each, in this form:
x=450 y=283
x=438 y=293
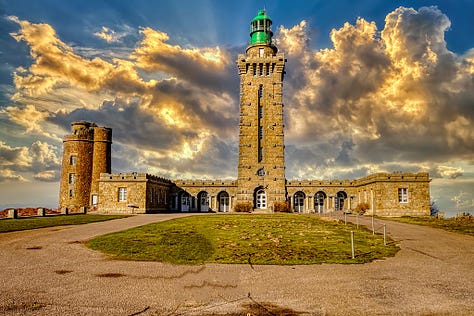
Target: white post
x=357 y=221
x=345 y=218
x=352 y=244
x=373 y=226
x=384 y=234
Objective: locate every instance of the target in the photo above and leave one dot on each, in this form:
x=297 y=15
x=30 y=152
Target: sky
x=370 y=86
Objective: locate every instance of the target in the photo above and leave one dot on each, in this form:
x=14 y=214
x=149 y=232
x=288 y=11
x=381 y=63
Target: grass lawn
x=458 y=225
x=9 y=225
x=245 y=238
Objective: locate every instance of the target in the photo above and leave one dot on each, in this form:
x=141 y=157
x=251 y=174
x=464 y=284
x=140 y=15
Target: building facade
x=261 y=183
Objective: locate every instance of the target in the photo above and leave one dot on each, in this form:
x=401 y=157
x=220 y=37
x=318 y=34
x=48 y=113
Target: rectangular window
x=94 y=199
x=71 y=193
x=267 y=68
x=122 y=194
x=254 y=68
x=72 y=178
x=73 y=160
x=261 y=52
x=403 y=195
x=260 y=70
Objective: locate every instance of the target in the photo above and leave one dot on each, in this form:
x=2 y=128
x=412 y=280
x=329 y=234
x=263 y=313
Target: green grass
x=281 y=239
x=9 y=225
x=458 y=225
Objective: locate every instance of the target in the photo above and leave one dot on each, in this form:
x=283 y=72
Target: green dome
x=261 y=29
x=262 y=15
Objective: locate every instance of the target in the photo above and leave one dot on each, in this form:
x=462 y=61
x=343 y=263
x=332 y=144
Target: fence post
x=352 y=244
x=373 y=225
x=384 y=234
x=41 y=212
x=13 y=214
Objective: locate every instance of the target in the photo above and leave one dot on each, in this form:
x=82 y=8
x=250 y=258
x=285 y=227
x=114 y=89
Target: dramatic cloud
x=40 y=159
x=395 y=96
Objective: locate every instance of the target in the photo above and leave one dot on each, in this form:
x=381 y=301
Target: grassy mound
x=256 y=239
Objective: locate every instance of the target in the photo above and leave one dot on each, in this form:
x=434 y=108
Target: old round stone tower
x=261 y=169
x=86 y=154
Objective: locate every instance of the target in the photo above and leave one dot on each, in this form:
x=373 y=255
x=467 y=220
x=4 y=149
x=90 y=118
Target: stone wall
x=144 y=193
x=380 y=191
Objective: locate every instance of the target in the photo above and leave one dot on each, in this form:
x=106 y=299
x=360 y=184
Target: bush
x=243 y=207
x=362 y=208
x=280 y=206
x=464 y=217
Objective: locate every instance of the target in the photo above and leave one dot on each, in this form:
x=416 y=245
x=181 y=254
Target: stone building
x=86 y=154
x=261 y=180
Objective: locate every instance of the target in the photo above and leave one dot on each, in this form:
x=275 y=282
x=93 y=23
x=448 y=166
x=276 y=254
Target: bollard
x=373 y=226
x=41 y=212
x=13 y=214
x=385 y=234
x=352 y=244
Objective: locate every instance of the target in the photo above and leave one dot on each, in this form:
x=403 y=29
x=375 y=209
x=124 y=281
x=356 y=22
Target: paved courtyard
x=50 y=272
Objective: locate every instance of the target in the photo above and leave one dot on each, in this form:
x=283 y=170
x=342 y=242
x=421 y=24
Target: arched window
x=299 y=202
x=339 y=200
x=223 y=198
x=319 y=200
x=203 y=199
x=260 y=199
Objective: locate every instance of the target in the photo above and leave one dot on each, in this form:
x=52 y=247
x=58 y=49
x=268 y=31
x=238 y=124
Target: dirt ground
x=50 y=272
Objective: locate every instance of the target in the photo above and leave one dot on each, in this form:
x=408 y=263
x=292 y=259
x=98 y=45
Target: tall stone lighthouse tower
x=261 y=170
x=86 y=154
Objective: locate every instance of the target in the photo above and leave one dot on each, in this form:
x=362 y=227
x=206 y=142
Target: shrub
x=281 y=206
x=243 y=207
x=362 y=208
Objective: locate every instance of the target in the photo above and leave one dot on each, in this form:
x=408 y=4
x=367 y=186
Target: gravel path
x=49 y=272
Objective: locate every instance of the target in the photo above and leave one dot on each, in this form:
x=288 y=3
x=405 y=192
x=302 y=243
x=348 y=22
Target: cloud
x=7 y=175
x=464 y=201
x=378 y=98
x=447 y=172
x=40 y=159
x=14 y=157
x=109 y=35
x=204 y=67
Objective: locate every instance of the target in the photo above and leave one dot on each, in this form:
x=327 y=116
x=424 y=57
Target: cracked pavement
x=50 y=272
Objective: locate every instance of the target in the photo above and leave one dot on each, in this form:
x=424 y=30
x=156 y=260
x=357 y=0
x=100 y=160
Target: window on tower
x=261 y=52
x=72 y=178
x=254 y=69
x=73 y=160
